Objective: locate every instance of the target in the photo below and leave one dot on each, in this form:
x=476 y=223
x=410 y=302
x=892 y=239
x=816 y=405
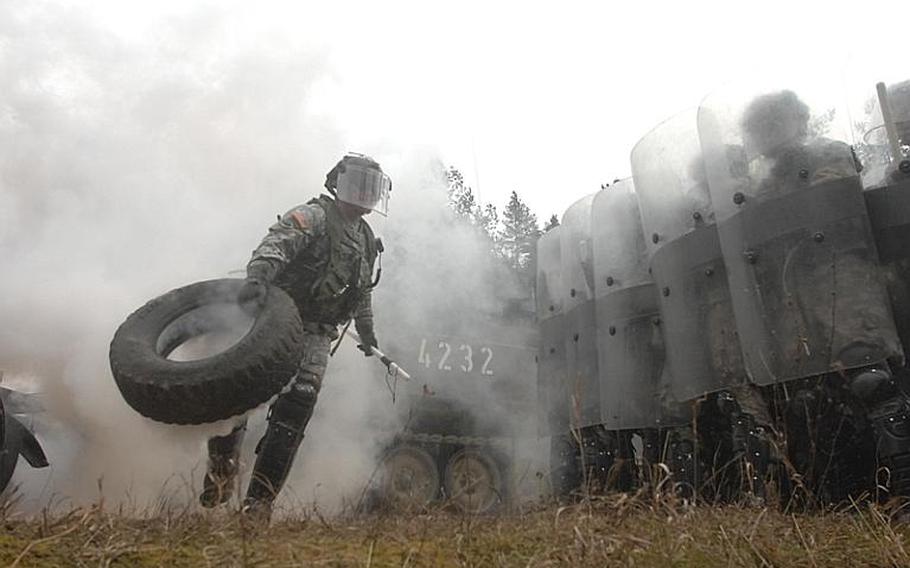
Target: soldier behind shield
x=776 y=129
x=322 y=254
x=821 y=299
x=888 y=203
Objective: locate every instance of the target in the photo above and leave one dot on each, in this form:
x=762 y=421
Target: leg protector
x=751 y=444
x=802 y=415
x=288 y=418
x=565 y=465
x=224 y=463
x=888 y=410
x=652 y=442
x=625 y=474
x=683 y=461
x=598 y=454
x=892 y=432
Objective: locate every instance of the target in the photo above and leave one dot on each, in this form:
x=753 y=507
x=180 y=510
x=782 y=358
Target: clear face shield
x=364 y=187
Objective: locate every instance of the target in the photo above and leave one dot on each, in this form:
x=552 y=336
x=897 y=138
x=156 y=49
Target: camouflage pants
x=291 y=404
x=311 y=369
x=288 y=418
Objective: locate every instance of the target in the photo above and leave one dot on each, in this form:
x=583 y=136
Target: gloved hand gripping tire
x=253 y=292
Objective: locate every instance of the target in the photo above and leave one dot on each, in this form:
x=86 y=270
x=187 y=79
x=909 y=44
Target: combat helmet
x=359 y=180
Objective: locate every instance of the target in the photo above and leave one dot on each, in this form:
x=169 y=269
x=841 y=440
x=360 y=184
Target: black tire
x=245 y=375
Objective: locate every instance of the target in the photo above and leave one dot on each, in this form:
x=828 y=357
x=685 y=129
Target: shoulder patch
x=307 y=218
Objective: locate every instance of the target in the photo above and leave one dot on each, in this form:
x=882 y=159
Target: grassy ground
x=619 y=531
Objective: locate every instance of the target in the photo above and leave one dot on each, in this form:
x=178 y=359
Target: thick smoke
x=128 y=168
x=448 y=296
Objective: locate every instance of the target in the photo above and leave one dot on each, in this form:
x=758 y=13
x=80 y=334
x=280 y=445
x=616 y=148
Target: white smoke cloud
x=133 y=165
x=128 y=168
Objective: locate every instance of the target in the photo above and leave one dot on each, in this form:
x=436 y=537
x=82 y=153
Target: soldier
x=322 y=254
x=719 y=437
x=810 y=311
x=776 y=128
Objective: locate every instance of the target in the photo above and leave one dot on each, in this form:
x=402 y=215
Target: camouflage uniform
x=325 y=263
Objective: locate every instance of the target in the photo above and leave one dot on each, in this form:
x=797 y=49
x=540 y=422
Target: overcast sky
x=544 y=98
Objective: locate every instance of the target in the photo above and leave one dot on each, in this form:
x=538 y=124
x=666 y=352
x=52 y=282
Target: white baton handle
x=393 y=367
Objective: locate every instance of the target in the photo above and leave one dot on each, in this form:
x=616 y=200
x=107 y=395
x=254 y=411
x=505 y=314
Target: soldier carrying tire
x=322 y=254
x=312 y=272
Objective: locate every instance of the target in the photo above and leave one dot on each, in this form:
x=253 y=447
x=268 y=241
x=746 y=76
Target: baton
x=393 y=367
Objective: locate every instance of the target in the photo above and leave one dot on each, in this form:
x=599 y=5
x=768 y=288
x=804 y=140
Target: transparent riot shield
x=552 y=391
x=630 y=343
x=878 y=93
x=881 y=112
x=795 y=233
x=703 y=351
x=580 y=316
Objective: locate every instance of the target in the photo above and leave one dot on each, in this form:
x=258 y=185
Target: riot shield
x=795 y=234
x=578 y=299
x=879 y=98
x=630 y=344
x=552 y=391
x=703 y=351
x=884 y=148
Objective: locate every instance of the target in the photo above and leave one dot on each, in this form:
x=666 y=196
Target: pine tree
x=462 y=201
x=518 y=243
x=552 y=223
x=461 y=197
x=512 y=237
x=488 y=221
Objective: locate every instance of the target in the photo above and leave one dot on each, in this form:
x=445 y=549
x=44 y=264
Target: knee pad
x=872 y=385
x=294 y=408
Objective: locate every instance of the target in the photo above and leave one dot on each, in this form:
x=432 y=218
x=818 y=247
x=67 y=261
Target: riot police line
x=738 y=310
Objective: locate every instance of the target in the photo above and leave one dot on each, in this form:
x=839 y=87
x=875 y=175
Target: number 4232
x=462 y=359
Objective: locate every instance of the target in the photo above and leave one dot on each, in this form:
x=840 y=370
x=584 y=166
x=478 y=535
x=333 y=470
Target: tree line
x=512 y=235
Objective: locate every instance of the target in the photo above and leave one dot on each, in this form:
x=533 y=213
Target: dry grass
x=614 y=531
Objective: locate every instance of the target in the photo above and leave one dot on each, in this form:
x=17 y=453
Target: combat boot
x=223 y=466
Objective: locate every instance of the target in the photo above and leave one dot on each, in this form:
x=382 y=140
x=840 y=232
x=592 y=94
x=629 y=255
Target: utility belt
x=332 y=311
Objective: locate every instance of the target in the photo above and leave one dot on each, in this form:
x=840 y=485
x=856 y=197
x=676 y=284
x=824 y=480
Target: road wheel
x=408 y=477
x=474 y=481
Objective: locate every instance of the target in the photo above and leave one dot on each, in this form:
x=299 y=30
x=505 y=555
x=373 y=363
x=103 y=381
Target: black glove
x=367 y=342
x=253 y=291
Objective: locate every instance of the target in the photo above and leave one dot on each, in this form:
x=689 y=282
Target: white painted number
x=445 y=356
x=468 y=358
x=485 y=370
x=424 y=357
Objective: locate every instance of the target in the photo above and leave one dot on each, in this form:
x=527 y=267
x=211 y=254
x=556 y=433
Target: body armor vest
x=328 y=279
